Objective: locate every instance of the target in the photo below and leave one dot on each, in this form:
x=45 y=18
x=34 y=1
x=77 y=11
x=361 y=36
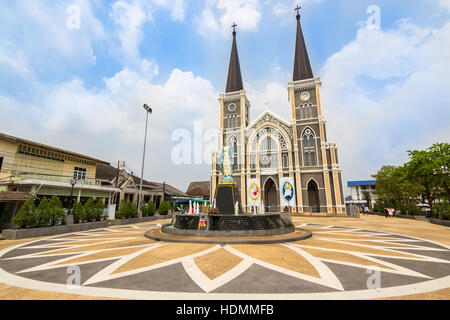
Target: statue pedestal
x=226 y=196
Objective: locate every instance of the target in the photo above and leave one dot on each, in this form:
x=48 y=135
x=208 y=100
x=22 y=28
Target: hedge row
x=51 y=213
x=129 y=209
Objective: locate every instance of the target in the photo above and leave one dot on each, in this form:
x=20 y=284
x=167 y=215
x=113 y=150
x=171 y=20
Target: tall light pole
x=73 y=182
x=147 y=111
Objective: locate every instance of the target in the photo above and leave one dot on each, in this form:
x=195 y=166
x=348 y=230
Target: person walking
x=386 y=212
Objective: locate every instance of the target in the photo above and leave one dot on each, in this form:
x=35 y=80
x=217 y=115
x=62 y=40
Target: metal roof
x=361 y=183
x=15 y=196
x=41 y=145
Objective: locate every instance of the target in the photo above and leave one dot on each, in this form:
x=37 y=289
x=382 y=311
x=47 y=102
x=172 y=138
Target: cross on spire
x=298 y=9
x=234 y=27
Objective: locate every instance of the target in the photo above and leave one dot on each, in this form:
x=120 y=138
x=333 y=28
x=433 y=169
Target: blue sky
x=385 y=91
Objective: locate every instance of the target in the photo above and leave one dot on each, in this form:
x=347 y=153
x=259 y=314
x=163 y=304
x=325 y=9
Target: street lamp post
x=147 y=111
x=73 y=182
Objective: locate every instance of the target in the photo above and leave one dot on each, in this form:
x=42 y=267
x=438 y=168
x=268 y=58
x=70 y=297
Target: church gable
x=269 y=118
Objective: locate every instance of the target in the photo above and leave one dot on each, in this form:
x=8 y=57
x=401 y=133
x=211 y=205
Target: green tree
x=89 y=210
x=151 y=208
x=127 y=210
x=387 y=184
x=26 y=217
x=422 y=169
x=56 y=210
x=144 y=209
x=164 y=208
x=98 y=208
x=395 y=188
x=367 y=197
x=443 y=210
x=440 y=153
x=78 y=212
x=44 y=213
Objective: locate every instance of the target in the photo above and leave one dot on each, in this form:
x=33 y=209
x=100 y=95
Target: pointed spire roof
x=234 y=81
x=302 y=66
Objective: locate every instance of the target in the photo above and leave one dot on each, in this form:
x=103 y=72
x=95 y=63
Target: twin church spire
x=302 y=65
x=234 y=81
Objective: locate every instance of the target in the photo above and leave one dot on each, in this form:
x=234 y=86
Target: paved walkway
x=347 y=258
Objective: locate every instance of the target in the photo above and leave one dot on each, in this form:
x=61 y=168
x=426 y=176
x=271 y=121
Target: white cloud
x=385 y=93
x=129 y=17
x=445 y=4
x=177 y=8
x=108 y=122
x=273 y=96
x=218 y=15
x=45 y=36
x=13 y=58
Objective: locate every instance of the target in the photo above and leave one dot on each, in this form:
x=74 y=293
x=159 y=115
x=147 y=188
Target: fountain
x=226 y=218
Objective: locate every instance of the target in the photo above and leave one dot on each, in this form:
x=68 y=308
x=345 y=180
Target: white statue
x=226 y=164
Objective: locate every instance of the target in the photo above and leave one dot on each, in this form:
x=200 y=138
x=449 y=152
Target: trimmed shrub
x=78 y=212
x=127 y=210
x=443 y=210
x=98 y=209
x=151 y=208
x=379 y=207
x=44 y=213
x=144 y=209
x=148 y=209
x=26 y=217
x=164 y=208
x=89 y=210
x=56 y=211
x=412 y=209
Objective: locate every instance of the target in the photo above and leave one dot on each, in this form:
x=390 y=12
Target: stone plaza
x=346 y=258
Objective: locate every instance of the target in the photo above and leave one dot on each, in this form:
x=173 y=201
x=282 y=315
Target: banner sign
x=253 y=193
x=287 y=192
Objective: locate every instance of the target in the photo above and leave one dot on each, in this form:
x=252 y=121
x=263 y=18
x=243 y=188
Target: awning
x=15 y=196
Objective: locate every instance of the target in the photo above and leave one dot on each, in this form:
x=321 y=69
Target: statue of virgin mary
x=226 y=164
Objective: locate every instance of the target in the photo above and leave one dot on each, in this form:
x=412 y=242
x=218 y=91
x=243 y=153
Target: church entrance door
x=313 y=196
x=270 y=196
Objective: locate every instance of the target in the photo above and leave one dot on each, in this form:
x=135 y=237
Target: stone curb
x=287 y=238
x=445 y=223
x=16 y=234
x=304 y=216
x=116 y=222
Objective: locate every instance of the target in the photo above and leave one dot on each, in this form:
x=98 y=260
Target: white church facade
x=281 y=165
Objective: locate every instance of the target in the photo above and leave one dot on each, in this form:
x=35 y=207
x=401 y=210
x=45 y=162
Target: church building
x=280 y=165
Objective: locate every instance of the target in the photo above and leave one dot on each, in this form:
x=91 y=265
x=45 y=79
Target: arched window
x=313 y=159
x=232 y=142
x=268 y=154
x=285 y=161
x=309 y=148
x=310 y=109
x=306 y=159
x=252 y=162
